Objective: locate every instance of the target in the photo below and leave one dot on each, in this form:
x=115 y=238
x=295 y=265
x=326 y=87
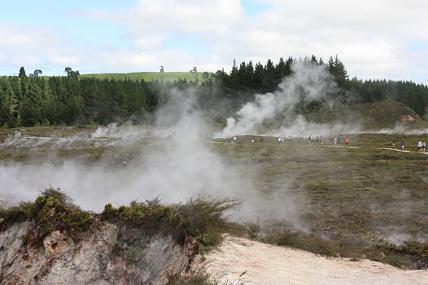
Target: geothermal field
x=222 y=142
x=366 y=189
x=197 y=192
x=318 y=196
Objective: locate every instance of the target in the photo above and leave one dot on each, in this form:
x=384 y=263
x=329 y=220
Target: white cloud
x=64 y=59
x=188 y=16
x=125 y=60
x=373 y=38
x=34 y=48
x=370 y=36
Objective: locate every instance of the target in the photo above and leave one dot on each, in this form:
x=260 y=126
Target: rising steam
x=308 y=82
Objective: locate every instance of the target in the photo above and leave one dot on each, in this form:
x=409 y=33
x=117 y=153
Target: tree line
x=265 y=78
x=35 y=100
x=41 y=100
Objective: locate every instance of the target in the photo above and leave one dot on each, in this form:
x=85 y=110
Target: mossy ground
x=354 y=202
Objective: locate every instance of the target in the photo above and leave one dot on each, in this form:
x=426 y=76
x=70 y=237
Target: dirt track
x=267 y=264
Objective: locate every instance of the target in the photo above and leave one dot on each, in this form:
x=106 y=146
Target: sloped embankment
x=51 y=241
x=241 y=261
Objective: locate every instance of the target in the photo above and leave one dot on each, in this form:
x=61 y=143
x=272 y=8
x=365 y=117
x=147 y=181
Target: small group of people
x=318 y=140
x=235 y=140
x=422 y=146
x=336 y=140
x=402 y=145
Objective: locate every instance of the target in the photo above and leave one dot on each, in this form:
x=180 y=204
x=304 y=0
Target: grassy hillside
x=386 y=114
x=149 y=76
x=371 y=116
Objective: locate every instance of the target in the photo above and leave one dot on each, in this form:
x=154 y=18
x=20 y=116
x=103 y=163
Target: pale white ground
x=394 y=149
x=268 y=264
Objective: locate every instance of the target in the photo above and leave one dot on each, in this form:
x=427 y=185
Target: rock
x=57 y=243
x=106 y=254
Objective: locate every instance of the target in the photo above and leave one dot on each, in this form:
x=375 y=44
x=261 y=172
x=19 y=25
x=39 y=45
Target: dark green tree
x=37 y=72
x=22 y=73
x=68 y=70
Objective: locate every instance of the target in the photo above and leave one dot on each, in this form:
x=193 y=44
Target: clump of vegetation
x=411 y=255
x=51 y=211
x=150 y=214
x=253 y=230
x=310 y=243
x=205 y=220
x=195 y=279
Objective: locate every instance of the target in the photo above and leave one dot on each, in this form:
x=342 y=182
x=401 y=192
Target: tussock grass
x=205 y=220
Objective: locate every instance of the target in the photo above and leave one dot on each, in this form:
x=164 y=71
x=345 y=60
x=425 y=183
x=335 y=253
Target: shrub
x=51 y=211
x=205 y=220
x=409 y=254
x=195 y=279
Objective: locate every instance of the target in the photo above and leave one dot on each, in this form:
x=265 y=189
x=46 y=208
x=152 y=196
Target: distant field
x=149 y=76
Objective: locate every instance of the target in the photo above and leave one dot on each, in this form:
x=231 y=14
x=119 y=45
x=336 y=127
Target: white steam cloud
x=402 y=130
x=308 y=82
x=299 y=128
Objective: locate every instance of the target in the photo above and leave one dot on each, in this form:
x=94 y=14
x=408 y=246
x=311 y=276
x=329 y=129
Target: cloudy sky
x=375 y=39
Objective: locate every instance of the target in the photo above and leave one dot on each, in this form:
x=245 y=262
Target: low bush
x=410 y=255
x=195 y=279
x=202 y=219
x=51 y=211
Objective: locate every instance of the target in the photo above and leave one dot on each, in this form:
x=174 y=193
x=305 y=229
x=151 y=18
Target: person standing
x=419 y=145
x=424 y=146
x=346 y=140
x=402 y=145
